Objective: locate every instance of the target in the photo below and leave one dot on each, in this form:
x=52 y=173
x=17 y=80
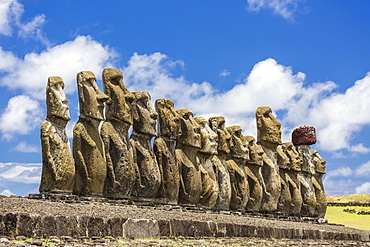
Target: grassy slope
x=336 y=214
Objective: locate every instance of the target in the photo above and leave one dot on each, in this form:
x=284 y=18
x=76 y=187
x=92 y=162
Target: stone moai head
x=56 y=100
x=282 y=159
x=268 y=128
x=190 y=130
x=145 y=116
x=217 y=124
x=208 y=137
x=168 y=119
x=318 y=161
x=304 y=135
x=90 y=97
x=294 y=157
x=255 y=151
x=118 y=106
x=239 y=147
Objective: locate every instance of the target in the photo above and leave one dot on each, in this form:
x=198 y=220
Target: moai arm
x=80 y=135
x=45 y=144
x=110 y=168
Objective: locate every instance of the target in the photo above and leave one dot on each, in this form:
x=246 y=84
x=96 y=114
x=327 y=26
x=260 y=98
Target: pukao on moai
x=206 y=155
x=302 y=137
x=320 y=170
x=121 y=169
x=269 y=136
x=144 y=129
x=239 y=155
x=164 y=149
x=217 y=124
x=285 y=199
x=254 y=174
x=88 y=149
x=291 y=174
x=187 y=147
x=58 y=169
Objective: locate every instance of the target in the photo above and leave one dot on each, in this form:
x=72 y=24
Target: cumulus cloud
x=20 y=116
x=28 y=173
x=340 y=172
x=363 y=188
x=284 y=8
x=6 y=192
x=24 y=147
x=363 y=170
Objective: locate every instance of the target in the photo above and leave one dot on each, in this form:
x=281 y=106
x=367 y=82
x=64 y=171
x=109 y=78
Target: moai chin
x=207 y=157
x=320 y=169
x=164 y=149
x=88 y=149
x=187 y=147
x=269 y=136
x=122 y=172
x=58 y=169
x=254 y=174
x=294 y=167
x=217 y=124
x=239 y=155
x=144 y=129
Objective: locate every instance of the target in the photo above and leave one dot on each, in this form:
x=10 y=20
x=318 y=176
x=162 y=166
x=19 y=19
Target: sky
x=309 y=60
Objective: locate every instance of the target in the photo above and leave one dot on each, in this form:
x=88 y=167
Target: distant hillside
x=362 y=198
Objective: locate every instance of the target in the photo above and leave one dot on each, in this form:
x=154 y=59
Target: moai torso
x=206 y=155
x=320 y=170
x=164 y=149
x=219 y=162
x=239 y=155
x=285 y=199
x=122 y=172
x=58 y=169
x=143 y=131
x=88 y=150
x=269 y=136
x=187 y=148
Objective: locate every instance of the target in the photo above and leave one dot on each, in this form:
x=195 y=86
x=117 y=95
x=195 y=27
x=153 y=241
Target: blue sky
x=309 y=60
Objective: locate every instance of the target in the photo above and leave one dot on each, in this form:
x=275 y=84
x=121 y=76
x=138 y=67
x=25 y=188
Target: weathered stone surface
x=304 y=135
x=222 y=174
x=10 y=222
x=115 y=227
x=206 y=154
x=320 y=170
x=187 y=148
x=88 y=150
x=268 y=128
x=144 y=129
x=122 y=171
x=239 y=155
x=58 y=170
x=48 y=226
x=254 y=174
x=140 y=228
x=164 y=149
x=285 y=199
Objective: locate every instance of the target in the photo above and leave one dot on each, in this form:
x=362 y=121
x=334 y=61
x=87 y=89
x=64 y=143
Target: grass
x=336 y=215
x=363 y=198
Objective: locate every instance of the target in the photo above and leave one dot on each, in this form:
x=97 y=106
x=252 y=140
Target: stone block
x=164 y=228
x=95 y=227
x=48 y=226
x=27 y=225
x=115 y=227
x=140 y=228
x=10 y=222
x=304 y=135
x=67 y=226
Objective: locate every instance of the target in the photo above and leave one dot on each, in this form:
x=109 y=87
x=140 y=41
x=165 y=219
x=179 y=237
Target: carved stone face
x=268 y=128
x=118 y=106
x=91 y=98
x=168 y=120
x=56 y=100
x=294 y=157
x=255 y=151
x=208 y=137
x=239 y=147
x=217 y=124
x=319 y=162
x=190 y=130
x=282 y=159
x=144 y=114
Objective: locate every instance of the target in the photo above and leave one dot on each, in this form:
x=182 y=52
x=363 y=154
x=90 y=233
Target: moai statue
x=294 y=167
x=320 y=169
x=285 y=199
x=302 y=137
x=222 y=174
x=254 y=174
x=144 y=129
x=269 y=136
x=164 y=149
x=239 y=155
x=207 y=157
x=187 y=147
x=88 y=149
x=121 y=169
x=58 y=170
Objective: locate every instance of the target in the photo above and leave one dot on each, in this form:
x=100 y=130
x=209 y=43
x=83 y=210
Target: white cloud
x=65 y=60
x=285 y=8
x=24 y=147
x=8 y=61
x=5 y=13
x=363 y=170
x=340 y=172
x=6 y=192
x=21 y=116
x=28 y=173
x=363 y=188
x=224 y=73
